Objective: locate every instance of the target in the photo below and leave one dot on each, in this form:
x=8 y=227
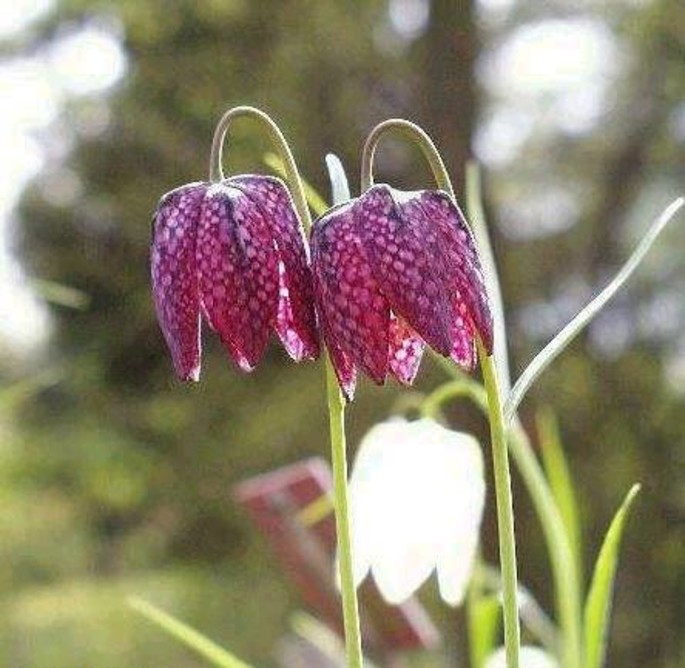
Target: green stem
x=336 y=403
x=568 y=593
x=216 y=172
x=505 y=513
x=418 y=136
x=505 y=510
x=336 y=413
x=456 y=388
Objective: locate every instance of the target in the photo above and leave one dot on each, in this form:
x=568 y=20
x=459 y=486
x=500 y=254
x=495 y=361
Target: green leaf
x=340 y=187
x=483 y=622
x=193 y=639
x=61 y=295
x=316 y=203
x=557 y=345
x=598 y=604
x=476 y=217
x=561 y=482
x=12 y=395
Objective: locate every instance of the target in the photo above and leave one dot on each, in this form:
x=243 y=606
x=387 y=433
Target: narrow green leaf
x=483 y=621
x=476 y=217
x=561 y=482
x=557 y=345
x=191 y=638
x=340 y=186
x=61 y=295
x=316 y=203
x=12 y=395
x=598 y=604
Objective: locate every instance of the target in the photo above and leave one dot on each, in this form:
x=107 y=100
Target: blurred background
x=116 y=480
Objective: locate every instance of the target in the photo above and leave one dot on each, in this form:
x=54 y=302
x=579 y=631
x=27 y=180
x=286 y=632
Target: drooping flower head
x=394 y=271
x=232 y=252
x=417 y=492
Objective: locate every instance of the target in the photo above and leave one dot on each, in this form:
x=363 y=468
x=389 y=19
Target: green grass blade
x=61 y=295
x=598 y=604
x=476 y=217
x=571 y=330
x=316 y=203
x=191 y=638
x=483 y=623
x=340 y=186
x=21 y=390
x=561 y=482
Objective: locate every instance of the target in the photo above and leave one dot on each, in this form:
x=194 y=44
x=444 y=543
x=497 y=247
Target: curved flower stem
x=336 y=403
x=567 y=587
x=505 y=515
x=419 y=137
x=505 y=509
x=465 y=387
x=216 y=172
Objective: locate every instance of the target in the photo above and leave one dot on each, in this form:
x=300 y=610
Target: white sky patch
x=409 y=18
x=551 y=56
x=84 y=62
x=17 y=14
x=499 y=138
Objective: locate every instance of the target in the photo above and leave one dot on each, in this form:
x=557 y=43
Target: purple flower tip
x=235 y=253
x=394 y=271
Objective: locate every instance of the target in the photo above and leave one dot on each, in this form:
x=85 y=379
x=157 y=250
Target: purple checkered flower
x=394 y=271
x=234 y=252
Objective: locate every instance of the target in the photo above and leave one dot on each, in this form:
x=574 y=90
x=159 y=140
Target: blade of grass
x=61 y=295
x=557 y=345
x=191 y=638
x=483 y=622
x=561 y=482
x=476 y=217
x=598 y=605
x=316 y=203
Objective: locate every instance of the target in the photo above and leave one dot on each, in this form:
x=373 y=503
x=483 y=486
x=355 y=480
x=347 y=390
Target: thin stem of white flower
x=505 y=508
x=462 y=387
x=567 y=587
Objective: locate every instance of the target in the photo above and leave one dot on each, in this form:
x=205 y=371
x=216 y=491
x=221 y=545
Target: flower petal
x=237 y=273
x=174 y=276
x=529 y=657
x=296 y=321
x=345 y=369
x=405 y=351
x=356 y=314
x=467 y=282
x=401 y=250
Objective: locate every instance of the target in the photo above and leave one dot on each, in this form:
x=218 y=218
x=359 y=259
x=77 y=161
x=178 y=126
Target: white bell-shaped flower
x=417 y=492
x=529 y=657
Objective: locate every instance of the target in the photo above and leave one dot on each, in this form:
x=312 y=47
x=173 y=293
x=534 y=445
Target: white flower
x=529 y=657
x=417 y=493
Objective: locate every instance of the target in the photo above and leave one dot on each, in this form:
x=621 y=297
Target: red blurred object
x=307 y=552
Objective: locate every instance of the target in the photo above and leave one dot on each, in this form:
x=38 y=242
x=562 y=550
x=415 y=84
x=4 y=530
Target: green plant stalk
x=505 y=509
x=505 y=513
x=336 y=416
x=336 y=404
x=568 y=594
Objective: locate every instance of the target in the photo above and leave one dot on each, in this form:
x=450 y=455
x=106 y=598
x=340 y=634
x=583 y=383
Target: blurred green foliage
x=116 y=480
